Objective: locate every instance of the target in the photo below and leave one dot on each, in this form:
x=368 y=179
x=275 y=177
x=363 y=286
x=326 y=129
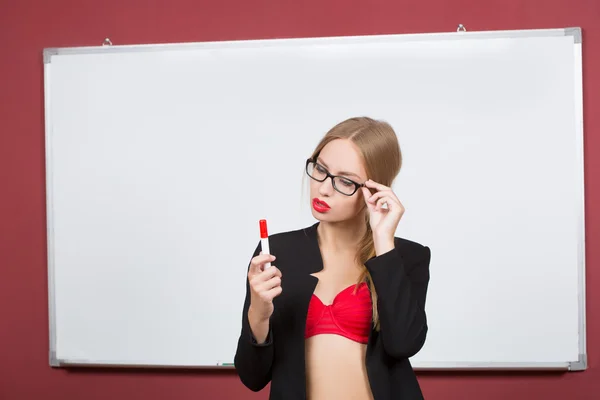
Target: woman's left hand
x=383 y=221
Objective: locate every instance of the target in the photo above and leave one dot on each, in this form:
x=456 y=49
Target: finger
x=378 y=195
x=270 y=284
x=366 y=196
x=261 y=259
x=383 y=204
x=258 y=279
x=271 y=294
x=388 y=201
x=392 y=204
x=257 y=263
x=264 y=287
x=372 y=184
x=269 y=273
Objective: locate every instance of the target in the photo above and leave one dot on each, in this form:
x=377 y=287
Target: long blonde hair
x=380 y=151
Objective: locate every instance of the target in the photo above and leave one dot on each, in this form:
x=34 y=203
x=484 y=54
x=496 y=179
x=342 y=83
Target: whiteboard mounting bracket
x=48 y=53
x=575 y=32
x=579 y=365
x=53 y=360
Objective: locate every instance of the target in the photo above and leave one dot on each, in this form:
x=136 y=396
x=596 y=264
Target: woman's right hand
x=265 y=285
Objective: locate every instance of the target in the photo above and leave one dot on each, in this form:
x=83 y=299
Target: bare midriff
x=335 y=369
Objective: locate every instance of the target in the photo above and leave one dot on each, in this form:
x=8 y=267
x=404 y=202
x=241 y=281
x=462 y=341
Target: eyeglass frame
x=357 y=185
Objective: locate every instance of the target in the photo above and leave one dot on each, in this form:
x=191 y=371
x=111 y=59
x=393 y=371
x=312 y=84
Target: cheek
x=314 y=188
x=353 y=204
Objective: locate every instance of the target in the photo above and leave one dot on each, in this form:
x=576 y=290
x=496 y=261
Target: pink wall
x=28 y=26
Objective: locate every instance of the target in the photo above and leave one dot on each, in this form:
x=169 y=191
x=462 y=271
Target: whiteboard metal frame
x=49 y=215
x=576 y=365
x=575 y=32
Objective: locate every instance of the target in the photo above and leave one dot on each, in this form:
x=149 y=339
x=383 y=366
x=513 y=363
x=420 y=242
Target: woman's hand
x=265 y=285
x=383 y=221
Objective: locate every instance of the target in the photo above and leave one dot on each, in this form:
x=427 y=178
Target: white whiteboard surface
x=161 y=159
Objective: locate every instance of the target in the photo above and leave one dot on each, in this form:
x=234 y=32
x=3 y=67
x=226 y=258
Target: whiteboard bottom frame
x=571 y=366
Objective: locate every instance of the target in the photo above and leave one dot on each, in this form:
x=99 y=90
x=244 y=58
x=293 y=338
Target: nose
x=326 y=187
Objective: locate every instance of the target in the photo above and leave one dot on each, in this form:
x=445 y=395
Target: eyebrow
x=320 y=160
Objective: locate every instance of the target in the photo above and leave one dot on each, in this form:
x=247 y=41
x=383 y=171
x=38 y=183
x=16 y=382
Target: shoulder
x=411 y=251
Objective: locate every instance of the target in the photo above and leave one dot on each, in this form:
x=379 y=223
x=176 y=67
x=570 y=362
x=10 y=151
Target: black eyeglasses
x=319 y=173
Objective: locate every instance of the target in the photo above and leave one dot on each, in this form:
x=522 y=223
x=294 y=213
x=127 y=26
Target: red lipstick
x=320 y=205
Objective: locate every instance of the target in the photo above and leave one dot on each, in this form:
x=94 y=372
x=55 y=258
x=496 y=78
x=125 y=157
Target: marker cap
x=263 y=229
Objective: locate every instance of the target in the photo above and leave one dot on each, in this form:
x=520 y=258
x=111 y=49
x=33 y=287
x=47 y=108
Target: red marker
x=264 y=239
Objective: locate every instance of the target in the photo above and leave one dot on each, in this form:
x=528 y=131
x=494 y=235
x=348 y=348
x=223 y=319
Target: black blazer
x=400 y=277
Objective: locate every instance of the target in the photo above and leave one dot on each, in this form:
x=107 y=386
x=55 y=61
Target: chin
x=328 y=217
x=319 y=216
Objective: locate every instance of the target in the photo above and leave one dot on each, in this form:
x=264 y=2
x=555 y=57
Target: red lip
x=320 y=205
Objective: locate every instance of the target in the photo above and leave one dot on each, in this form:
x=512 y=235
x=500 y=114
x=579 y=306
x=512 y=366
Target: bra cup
x=349 y=314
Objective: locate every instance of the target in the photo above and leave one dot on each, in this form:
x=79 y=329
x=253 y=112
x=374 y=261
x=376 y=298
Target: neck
x=343 y=235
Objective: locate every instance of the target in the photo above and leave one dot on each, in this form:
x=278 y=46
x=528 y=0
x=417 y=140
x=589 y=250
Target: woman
x=343 y=306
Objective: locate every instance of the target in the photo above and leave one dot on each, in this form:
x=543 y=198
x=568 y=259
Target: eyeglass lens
x=319 y=173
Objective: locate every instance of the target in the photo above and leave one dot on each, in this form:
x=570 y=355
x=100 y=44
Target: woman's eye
x=320 y=169
x=346 y=182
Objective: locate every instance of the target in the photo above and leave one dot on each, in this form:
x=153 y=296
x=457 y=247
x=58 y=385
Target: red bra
x=349 y=315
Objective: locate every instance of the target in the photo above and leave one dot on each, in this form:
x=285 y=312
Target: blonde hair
x=380 y=151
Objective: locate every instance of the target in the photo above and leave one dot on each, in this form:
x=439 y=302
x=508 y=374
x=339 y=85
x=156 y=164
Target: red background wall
x=27 y=27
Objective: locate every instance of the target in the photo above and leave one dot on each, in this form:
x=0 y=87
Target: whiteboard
x=161 y=159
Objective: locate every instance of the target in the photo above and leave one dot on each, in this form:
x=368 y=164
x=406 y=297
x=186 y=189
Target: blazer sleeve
x=253 y=361
x=401 y=292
